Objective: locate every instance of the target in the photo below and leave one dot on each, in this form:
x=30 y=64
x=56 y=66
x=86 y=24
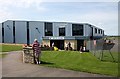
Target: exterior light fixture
x=37 y=29
x=8 y=26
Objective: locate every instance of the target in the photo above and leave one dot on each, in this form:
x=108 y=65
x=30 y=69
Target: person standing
x=36 y=51
x=81 y=49
x=69 y=46
x=53 y=44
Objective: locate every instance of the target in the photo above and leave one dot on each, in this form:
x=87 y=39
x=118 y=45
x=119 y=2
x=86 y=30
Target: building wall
x=55 y=29
x=21 y=32
x=90 y=45
x=87 y=30
x=96 y=34
x=68 y=29
x=46 y=42
x=73 y=43
x=36 y=33
x=8 y=31
x=57 y=25
x=95 y=44
x=0 y=32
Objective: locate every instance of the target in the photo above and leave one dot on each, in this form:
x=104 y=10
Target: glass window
x=95 y=30
x=103 y=32
x=62 y=31
x=77 y=29
x=48 y=29
x=99 y=31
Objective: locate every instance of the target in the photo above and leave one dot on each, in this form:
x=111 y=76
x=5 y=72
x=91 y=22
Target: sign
x=56 y=37
x=61 y=25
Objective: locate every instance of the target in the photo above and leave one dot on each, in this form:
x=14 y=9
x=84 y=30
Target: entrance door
x=58 y=43
x=79 y=43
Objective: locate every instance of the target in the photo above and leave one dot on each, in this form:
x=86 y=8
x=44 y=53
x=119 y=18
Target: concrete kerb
x=10 y=52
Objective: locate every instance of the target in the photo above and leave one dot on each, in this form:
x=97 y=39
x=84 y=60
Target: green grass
x=73 y=60
x=107 y=56
x=8 y=48
x=117 y=37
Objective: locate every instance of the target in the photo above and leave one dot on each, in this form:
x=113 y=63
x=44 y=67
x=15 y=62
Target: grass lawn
x=73 y=60
x=107 y=56
x=8 y=48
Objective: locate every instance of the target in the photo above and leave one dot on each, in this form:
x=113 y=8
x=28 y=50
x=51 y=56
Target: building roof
x=57 y=22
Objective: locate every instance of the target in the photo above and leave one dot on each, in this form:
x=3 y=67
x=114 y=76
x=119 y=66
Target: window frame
x=49 y=27
x=77 y=30
x=99 y=31
x=62 y=34
x=96 y=30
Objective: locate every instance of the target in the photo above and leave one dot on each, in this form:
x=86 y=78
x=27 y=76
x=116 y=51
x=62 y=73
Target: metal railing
x=101 y=45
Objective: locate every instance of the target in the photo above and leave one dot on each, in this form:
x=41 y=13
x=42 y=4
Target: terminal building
x=59 y=33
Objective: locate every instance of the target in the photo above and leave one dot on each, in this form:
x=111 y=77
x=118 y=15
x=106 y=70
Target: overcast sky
x=101 y=13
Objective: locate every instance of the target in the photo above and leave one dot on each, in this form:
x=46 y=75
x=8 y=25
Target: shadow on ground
x=47 y=63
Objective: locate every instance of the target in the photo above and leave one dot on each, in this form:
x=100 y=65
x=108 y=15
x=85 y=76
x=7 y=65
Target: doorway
x=58 y=43
x=79 y=43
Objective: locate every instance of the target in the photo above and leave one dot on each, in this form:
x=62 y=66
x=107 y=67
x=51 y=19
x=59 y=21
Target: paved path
x=0 y=68
x=12 y=66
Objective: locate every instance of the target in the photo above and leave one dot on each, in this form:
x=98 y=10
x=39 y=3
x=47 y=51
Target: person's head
x=35 y=40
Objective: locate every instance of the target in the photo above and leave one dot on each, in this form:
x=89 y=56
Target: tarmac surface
x=12 y=66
